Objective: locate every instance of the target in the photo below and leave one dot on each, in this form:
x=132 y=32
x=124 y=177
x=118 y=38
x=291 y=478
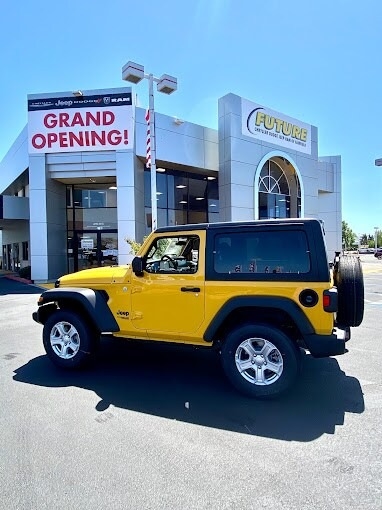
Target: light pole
x=166 y=84
x=378 y=162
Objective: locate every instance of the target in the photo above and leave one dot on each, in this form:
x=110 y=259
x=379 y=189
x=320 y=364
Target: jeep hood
x=95 y=277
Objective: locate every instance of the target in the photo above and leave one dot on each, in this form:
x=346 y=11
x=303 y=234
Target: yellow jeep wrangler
x=258 y=292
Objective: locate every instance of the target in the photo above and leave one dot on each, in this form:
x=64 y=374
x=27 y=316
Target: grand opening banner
x=85 y=123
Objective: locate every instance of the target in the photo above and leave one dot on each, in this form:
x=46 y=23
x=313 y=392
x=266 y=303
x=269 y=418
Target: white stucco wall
x=15 y=161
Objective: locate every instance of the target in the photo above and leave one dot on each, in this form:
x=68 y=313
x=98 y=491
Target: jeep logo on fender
x=123 y=314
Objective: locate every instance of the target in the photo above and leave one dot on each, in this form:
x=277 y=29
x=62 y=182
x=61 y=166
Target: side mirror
x=138 y=266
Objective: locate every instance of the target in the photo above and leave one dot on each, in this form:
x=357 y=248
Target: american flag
x=148 y=140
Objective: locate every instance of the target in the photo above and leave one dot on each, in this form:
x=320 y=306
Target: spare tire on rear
x=348 y=278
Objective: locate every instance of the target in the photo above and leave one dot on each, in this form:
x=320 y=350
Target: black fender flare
x=280 y=303
x=92 y=301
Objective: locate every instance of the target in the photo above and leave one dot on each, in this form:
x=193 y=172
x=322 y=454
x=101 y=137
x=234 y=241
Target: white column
x=127 y=197
x=38 y=218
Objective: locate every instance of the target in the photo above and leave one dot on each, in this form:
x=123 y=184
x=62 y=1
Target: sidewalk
x=14 y=276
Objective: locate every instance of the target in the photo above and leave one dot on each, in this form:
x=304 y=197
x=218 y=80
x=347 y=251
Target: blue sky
x=316 y=61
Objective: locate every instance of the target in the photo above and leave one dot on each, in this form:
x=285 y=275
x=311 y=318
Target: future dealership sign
x=85 y=123
x=274 y=127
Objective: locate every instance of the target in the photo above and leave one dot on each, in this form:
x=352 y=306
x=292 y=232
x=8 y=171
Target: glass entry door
x=95 y=249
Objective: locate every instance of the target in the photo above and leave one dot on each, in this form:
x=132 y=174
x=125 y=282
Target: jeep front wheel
x=260 y=361
x=68 y=341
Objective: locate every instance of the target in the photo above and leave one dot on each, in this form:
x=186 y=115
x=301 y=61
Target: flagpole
x=153 y=166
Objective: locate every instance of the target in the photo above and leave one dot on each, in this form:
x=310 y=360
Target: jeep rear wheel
x=68 y=341
x=260 y=361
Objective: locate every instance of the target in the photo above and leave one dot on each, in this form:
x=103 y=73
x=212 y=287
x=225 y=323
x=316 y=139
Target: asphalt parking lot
x=160 y=428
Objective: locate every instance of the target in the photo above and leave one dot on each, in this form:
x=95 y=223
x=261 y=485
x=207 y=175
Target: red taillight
x=330 y=300
x=326 y=301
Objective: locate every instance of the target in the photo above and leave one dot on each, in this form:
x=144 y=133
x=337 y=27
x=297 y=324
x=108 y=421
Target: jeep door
x=168 y=299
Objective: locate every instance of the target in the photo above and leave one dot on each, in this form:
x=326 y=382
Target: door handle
x=190 y=289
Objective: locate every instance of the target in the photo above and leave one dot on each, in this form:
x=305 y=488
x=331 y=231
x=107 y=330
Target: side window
x=227 y=254
x=179 y=255
x=262 y=252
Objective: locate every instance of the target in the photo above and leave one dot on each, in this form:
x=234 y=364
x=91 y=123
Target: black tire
x=350 y=288
x=285 y=357
x=66 y=333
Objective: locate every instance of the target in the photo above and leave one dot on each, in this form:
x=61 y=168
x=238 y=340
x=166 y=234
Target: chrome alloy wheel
x=259 y=361
x=65 y=340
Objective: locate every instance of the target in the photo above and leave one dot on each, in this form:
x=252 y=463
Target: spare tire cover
x=350 y=288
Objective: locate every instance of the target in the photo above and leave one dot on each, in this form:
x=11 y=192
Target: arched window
x=279 y=190
x=273 y=180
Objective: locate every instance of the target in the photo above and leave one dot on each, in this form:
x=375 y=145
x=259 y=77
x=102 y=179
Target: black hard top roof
x=237 y=224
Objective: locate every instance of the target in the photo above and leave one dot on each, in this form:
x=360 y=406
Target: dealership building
x=75 y=185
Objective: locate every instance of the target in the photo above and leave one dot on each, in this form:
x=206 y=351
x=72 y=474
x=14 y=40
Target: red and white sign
x=89 y=124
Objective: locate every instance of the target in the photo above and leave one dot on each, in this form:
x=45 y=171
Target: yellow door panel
x=164 y=303
x=170 y=304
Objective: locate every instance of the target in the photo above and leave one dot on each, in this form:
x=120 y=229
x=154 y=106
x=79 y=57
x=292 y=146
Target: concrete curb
x=18 y=278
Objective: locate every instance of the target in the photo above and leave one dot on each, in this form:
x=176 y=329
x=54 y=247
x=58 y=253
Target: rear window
x=262 y=252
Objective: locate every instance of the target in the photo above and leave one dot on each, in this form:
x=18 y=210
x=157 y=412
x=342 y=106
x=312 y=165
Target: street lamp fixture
x=378 y=162
x=167 y=84
x=134 y=73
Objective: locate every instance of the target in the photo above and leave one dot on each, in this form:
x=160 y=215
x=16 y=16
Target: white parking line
x=364 y=350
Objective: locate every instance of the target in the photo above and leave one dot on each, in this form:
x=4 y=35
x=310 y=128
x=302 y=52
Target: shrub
x=134 y=245
x=25 y=272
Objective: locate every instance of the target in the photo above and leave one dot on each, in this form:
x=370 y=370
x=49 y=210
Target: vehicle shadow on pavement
x=188 y=385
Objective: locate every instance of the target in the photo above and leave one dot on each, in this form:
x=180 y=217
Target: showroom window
x=92 y=207
x=182 y=198
x=25 y=247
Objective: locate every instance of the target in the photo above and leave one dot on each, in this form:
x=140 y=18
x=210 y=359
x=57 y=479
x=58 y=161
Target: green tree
x=379 y=240
x=371 y=239
x=348 y=236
